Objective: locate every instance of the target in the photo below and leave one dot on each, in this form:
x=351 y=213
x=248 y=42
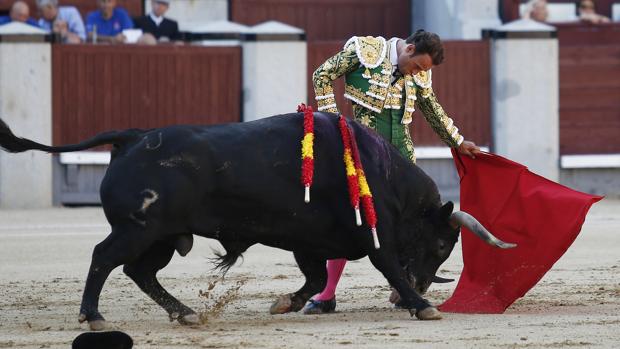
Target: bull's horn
x=440 y=280
x=466 y=220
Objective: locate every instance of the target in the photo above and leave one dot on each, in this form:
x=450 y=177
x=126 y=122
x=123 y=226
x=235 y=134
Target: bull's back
x=263 y=158
x=259 y=161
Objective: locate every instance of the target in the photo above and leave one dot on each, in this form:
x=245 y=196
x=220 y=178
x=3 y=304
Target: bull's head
x=434 y=238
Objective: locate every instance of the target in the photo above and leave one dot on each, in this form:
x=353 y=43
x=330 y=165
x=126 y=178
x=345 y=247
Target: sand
x=45 y=254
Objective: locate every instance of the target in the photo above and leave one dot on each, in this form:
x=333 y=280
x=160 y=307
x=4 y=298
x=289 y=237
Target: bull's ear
x=446 y=210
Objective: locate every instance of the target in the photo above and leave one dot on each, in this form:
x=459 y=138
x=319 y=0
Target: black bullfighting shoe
x=320 y=307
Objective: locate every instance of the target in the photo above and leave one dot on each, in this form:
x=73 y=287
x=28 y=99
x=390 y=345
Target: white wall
x=455 y=19
x=525 y=103
x=274 y=77
x=194 y=11
x=26 y=106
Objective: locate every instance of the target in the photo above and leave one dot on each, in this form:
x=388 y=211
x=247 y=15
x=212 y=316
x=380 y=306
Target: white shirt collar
x=393 y=51
x=156 y=19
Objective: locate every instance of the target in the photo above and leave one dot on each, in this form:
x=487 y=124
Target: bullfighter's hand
x=469 y=148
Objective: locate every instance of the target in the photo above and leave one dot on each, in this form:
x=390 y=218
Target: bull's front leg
x=316 y=278
x=386 y=262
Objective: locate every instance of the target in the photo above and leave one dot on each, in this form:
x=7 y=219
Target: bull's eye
x=442 y=246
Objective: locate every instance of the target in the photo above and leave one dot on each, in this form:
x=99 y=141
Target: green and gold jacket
x=366 y=66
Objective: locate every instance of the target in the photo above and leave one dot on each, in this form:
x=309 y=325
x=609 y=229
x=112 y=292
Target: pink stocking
x=334 y=271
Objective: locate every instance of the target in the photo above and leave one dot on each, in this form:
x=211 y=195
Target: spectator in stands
x=108 y=22
x=162 y=28
x=64 y=20
x=587 y=12
x=20 y=12
x=537 y=10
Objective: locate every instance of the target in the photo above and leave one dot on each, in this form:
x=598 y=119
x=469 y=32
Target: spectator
x=108 y=22
x=64 y=20
x=537 y=10
x=20 y=12
x=587 y=12
x=162 y=28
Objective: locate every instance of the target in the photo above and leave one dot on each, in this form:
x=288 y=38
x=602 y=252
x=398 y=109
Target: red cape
x=542 y=217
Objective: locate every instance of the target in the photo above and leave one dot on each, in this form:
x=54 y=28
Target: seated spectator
x=20 y=12
x=587 y=13
x=537 y=10
x=64 y=20
x=108 y=22
x=162 y=28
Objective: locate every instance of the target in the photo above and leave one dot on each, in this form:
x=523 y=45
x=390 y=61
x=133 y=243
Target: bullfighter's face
x=410 y=63
x=435 y=240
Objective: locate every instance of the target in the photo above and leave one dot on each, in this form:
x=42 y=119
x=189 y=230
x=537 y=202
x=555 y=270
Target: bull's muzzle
x=464 y=219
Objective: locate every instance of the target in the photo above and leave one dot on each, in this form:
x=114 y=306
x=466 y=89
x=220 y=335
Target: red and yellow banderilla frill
x=307 y=149
x=360 y=190
x=356 y=179
x=349 y=165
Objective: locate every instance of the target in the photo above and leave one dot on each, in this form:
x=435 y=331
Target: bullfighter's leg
x=396 y=276
x=316 y=276
x=120 y=247
x=143 y=272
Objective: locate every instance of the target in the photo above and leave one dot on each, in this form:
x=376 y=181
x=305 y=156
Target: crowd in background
x=109 y=23
x=538 y=10
x=112 y=23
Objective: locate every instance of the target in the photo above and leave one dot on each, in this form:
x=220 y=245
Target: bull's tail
x=14 y=144
x=234 y=250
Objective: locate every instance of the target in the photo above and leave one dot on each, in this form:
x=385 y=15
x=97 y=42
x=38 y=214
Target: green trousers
x=388 y=125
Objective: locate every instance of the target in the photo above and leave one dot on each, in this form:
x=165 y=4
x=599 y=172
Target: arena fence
x=329 y=19
x=589 y=88
x=103 y=87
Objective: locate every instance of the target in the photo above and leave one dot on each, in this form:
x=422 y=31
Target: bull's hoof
x=428 y=313
x=394 y=297
x=189 y=319
x=282 y=305
x=96 y=325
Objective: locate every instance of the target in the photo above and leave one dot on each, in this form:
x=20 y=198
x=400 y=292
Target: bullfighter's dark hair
x=429 y=43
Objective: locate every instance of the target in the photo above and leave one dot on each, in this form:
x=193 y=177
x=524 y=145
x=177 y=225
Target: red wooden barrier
x=329 y=19
x=103 y=87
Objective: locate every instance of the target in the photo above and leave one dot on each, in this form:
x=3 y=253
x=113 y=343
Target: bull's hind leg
x=316 y=277
x=143 y=272
x=120 y=247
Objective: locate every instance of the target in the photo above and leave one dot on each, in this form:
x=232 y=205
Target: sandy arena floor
x=45 y=254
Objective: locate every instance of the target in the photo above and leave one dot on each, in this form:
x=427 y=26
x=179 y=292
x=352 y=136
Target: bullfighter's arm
x=437 y=117
x=340 y=64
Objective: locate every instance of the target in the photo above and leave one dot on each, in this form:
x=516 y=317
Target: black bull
x=240 y=184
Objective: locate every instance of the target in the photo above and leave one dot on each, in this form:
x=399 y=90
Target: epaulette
x=370 y=50
x=424 y=79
